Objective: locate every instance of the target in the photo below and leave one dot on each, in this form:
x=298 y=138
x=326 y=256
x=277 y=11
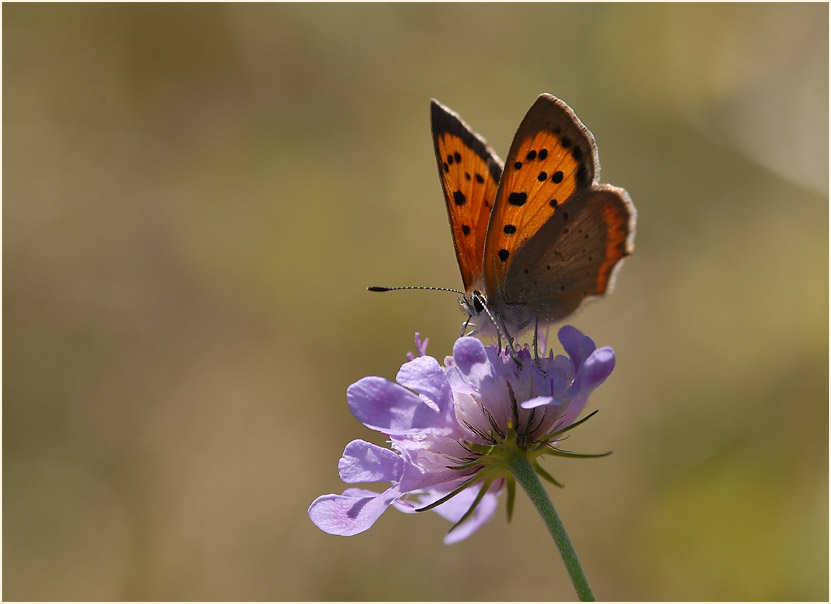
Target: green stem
x=524 y=473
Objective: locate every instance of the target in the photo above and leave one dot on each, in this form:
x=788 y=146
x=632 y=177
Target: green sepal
x=480 y=449
x=449 y=496
x=551 y=435
x=474 y=505
x=561 y=453
x=545 y=475
x=510 y=484
x=471 y=464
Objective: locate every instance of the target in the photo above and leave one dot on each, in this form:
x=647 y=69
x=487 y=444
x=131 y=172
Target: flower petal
x=578 y=346
x=425 y=376
x=365 y=462
x=456 y=507
x=560 y=372
x=381 y=405
x=421 y=347
x=472 y=360
x=356 y=492
x=347 y=515
x=540 y=401
x=572 y=412
x=593 y=372
x=428 y=470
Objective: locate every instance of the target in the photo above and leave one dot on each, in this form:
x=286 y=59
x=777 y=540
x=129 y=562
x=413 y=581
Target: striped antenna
x=375 y=288
x=468 y=305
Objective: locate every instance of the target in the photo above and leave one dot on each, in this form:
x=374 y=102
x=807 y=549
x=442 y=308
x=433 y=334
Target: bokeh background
x=196 y=196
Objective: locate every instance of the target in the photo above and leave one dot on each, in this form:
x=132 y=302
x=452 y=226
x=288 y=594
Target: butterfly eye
x=478 y=302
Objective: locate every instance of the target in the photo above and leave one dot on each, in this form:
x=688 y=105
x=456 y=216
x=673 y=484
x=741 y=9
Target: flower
x=453 y=428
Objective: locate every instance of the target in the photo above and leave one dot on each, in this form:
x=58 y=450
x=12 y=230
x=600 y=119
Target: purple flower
x=452 y=427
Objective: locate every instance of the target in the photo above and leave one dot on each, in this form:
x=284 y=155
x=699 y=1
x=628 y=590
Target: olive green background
x=196 y=196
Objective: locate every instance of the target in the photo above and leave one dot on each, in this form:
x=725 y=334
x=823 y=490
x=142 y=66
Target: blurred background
x=195 y=198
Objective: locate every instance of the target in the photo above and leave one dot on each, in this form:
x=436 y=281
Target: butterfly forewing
x=553 y=156
x=469 y=171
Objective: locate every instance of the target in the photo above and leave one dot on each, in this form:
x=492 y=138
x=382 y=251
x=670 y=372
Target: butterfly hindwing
x=469 y=171
x=573 y=256
x=553 y=156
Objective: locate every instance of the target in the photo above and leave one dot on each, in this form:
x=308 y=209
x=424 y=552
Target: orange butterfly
x=537 y=237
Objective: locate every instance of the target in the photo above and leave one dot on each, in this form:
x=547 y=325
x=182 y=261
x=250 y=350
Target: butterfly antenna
x=375 y=288
x=501 y=331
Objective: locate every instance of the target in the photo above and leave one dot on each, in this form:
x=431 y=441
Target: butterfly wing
x=574 y=255
x=469 y=171
x=554 y=235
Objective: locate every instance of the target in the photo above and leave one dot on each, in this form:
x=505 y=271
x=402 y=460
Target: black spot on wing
x=517 y=199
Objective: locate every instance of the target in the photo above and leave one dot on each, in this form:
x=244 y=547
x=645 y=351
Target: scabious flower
x=454 y=428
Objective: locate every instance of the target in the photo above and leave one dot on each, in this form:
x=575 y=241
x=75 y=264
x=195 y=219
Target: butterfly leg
x=536 y=350
x=464 y=327
x=500 y=328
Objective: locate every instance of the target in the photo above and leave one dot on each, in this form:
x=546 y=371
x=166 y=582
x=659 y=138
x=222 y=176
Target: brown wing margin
x=469 y=171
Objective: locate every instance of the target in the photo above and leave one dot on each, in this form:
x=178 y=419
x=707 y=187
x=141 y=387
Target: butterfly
x=537 y=235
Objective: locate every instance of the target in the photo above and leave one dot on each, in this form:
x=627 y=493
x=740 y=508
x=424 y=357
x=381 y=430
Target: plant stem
x=524 y=473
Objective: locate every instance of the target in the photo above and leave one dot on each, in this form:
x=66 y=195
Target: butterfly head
x=475 y=304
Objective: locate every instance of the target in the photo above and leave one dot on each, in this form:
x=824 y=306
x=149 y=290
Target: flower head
x=452 y=429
